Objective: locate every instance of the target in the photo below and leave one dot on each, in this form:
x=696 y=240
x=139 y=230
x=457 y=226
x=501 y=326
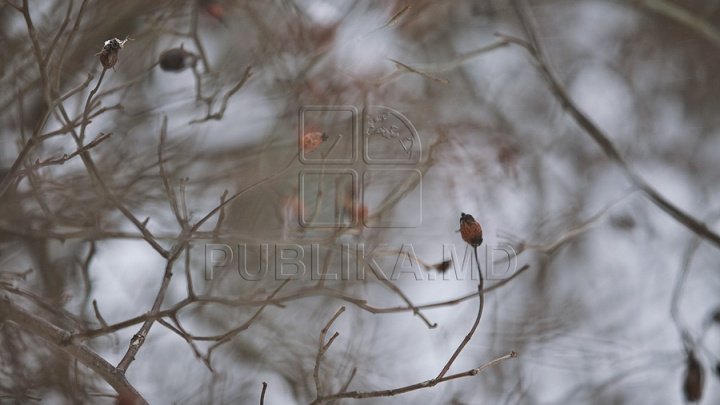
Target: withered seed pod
x=109 y=53
x=694 y=375
x=176 y=60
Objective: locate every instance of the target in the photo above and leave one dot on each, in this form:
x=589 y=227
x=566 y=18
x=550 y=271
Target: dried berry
x=311 y=141
x=110 y=51
x=214 y=8
x=470 y=230
x=716 y=316
x=176 y=60
x=694 y=375
x=442 y=266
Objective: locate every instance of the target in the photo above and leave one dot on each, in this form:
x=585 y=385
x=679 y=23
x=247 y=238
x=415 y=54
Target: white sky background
x=604 y=305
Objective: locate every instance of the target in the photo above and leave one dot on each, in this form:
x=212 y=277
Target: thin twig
x=421 y=385
x=139 y=338
x=678 y=289
x=322 y=348
x=60 y=160
x=297 y=295
x=679 y=14
x=466 y=340
x=98 y=315
x=221 y=215
x=223 y=106
x=167 y=182
x=262 y=394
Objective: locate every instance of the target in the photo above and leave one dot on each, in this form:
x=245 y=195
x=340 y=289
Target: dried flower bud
x=176 y=60
x=109 y=53
x=694 y=375
x=311 y=141
x=470 y=230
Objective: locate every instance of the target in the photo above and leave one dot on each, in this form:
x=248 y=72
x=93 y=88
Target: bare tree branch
x=606 y=144
x=61 y=340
